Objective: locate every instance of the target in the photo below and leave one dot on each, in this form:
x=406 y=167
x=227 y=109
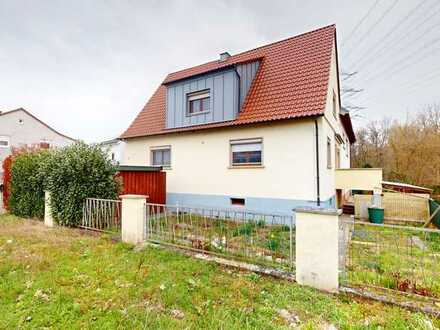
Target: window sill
x=163 y=167
x=237 y=167
x=197 y=113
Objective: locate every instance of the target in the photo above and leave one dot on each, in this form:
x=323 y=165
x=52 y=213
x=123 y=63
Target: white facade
x=18 y=128
x=114 y=150
x=200 y=171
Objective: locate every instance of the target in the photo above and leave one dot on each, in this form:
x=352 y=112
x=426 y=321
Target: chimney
x=224 y=56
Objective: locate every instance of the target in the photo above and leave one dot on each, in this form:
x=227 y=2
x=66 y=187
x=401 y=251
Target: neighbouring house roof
x=406 y=187
x=291 y=82
x=5 y=113
x=109 y=142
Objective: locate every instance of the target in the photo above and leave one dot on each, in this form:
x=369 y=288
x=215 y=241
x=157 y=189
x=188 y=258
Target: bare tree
x=407 y=151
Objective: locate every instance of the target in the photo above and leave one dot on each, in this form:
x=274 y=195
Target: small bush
x=274 y=241
x=261 y=223
x=245 y=229
x=75 y=173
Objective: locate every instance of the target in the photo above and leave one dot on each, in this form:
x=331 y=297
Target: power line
x=424 y=84
x=416 y=84
x=360 y=23
x=425 y=46
x=381 y=18
x=420 y=79
x=381 y=51
x=392 y=30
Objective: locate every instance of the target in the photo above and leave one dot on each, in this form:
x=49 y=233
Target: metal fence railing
x=101 y=215
x=400 y=258
x=259 y=238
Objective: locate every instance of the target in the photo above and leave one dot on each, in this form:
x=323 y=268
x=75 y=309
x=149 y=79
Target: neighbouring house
x=19 y=128
x=262 y=129
x=114 y=149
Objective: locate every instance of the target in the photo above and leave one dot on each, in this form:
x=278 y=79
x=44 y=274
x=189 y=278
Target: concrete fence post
x=134 y=217
x=317 y=248
x=48 y=220
x=377 y=197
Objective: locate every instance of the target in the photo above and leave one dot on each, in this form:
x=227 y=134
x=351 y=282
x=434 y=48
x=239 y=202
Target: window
x=161 y=156
x=44 y=145
x=337 y=156
x=246 y=152
x=329 y=153
x=4 y=141
x=237 y=201
x=335 y=106
x=198 y=102
x=113 y=156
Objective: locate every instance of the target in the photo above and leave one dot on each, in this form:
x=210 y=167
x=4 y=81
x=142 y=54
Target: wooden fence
x=144 y=180
x=397 y=206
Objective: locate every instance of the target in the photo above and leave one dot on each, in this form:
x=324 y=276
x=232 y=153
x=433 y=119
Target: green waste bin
x=433 y=205
x=375 y=214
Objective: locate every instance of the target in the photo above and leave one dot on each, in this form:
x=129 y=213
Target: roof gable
x=291 y=82
x=35 y=118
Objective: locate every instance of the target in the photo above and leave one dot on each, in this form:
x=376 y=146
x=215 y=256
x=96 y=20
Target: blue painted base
x=263 y=205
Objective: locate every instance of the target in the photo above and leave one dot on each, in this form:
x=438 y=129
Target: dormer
x=213 y=96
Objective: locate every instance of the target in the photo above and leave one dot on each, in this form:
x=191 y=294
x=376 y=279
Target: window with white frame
x=198 y=102
x=337 y=155
x=335 y=105
x=4 y=141
x=161 y=156
x=329 y=153
x=246 y=152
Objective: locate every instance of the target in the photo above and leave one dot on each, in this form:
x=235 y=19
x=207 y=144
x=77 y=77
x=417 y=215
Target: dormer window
x=198 y=102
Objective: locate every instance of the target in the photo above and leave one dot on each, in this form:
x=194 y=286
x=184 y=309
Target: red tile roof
x=291 y=82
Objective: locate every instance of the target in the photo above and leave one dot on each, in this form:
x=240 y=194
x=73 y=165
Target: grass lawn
x=61 y=278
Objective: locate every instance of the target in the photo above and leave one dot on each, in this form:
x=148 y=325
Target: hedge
x=71 y=174
x=75 y=173
x=26 y=192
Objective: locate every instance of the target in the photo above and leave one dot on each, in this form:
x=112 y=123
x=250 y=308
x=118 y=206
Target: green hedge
x=27 y=183
x=71 y=174
x=75 y=173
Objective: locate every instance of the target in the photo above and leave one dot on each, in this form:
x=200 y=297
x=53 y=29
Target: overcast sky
x=88 y=67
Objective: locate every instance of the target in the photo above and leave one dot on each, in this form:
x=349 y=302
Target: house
x=19 y=128
x=114 y=149
x=261 y=130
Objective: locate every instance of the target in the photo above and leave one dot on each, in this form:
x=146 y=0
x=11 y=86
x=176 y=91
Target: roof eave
x=220 y=125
